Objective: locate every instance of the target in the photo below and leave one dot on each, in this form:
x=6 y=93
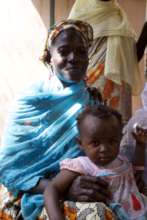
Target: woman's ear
x=46 y=57
x=79 y=142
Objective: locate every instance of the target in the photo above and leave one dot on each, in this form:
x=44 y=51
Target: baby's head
x=100 y=130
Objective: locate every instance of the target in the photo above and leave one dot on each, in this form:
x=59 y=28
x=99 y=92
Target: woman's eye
x=81 y=50
x=63 y=51
x=95 y=143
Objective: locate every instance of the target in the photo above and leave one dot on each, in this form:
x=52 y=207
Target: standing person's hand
x=89 y=189
x=140 y=134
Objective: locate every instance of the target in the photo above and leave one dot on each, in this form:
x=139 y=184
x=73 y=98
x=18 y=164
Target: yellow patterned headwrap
x=83 y=28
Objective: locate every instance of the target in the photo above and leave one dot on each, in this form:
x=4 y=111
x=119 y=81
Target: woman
x=113 y=66
x=41 y=129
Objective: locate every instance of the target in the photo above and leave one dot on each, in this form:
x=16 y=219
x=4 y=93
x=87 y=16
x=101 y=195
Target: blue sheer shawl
x=40 y=133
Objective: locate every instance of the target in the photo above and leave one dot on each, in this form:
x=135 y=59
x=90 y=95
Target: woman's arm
x=142 y=42
x=55 y=190
x=82 y=189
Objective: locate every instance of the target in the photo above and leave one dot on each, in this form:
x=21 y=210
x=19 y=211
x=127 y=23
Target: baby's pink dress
x=119 y=175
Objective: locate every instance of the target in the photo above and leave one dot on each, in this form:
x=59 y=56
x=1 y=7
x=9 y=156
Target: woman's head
x=100 y=133
x=67 y=49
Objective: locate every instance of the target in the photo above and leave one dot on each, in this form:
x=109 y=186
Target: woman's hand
x=89 y=189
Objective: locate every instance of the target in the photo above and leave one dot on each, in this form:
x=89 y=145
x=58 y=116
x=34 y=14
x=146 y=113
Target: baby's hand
x=139 y=133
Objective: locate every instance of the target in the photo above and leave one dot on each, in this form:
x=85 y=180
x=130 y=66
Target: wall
x=43 y=6
x=21 y=43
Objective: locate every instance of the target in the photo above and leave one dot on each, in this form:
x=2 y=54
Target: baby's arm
x=55 y=190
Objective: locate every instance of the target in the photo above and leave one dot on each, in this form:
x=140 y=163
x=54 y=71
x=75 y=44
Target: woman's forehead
x=67 y=37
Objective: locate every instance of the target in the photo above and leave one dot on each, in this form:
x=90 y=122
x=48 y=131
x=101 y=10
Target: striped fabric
x=114 y=94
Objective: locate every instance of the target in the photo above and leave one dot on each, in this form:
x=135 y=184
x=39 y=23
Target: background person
x=128 y=142
x=113 y=65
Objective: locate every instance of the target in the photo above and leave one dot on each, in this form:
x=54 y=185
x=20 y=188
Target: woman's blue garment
x=41 y=132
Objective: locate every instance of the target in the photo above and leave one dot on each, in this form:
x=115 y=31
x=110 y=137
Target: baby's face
x=100 y=139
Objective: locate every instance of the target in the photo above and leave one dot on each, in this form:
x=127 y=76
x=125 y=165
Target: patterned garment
x=108 y=19
x=72 y=210
x=87 y=211
x=84 y=28
x=9 y=205
x=84 y=211
x=114 y=94
x=128 y=202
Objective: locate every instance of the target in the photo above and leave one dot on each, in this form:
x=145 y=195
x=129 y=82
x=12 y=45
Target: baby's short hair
x=101 y=111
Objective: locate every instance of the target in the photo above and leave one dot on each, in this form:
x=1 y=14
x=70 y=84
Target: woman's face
x=69 y=57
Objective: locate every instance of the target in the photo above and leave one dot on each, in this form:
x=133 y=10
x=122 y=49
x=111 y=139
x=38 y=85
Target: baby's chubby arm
x=55 y=190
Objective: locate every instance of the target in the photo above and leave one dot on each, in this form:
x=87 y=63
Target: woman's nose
x=72 y=56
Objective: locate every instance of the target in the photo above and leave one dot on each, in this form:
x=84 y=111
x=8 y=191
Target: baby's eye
x=113 y=141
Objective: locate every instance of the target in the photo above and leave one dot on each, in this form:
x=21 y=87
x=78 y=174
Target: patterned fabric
x=87 y=211
x=114 y=94
x=72 y=210
x=9 y=205
x=122 y=185
x=84 y=211
x=40 y=132
x=84 y=28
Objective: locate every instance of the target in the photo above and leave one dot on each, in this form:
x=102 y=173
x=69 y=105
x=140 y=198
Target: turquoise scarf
x=40 y=133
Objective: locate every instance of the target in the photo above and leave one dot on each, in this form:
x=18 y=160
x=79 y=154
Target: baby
x=100 y=130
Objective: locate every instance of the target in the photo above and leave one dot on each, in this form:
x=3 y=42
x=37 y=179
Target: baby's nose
x=102 y=148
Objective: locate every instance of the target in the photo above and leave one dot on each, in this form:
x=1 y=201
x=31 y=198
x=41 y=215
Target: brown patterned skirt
x=10 y=209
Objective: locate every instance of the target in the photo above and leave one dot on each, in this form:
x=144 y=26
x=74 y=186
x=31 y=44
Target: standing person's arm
x=142 y=42
x=140 y=136
x=53 y=192
x=139 y=156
